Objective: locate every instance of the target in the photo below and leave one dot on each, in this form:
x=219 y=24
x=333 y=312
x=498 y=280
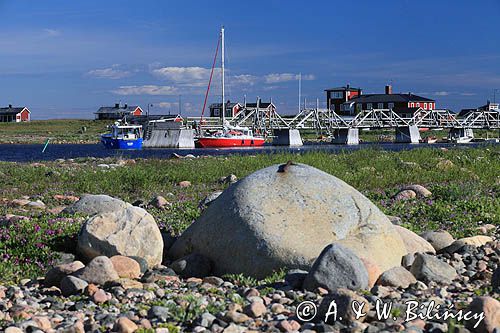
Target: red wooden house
x=14 y=114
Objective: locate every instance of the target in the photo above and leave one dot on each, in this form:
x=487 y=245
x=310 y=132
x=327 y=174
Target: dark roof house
x=117 y=112
x=14 y=114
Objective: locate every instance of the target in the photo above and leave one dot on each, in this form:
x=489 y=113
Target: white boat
x=461 y=135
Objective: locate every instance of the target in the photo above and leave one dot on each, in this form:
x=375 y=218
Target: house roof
x=406 y=109
x=219 y=105
x=343 y=89
x=114 y=109
x=262 y=105
x=390 y=98
x=11 y=110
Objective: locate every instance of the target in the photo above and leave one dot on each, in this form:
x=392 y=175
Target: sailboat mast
x=222 y=65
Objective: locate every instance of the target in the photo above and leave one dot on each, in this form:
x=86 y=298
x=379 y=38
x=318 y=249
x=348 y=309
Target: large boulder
x=284 y=216
x=91 y=204
x=413 y=242
x=128 y=232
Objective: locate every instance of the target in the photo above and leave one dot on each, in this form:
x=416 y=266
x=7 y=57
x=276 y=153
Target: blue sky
x=64 y=59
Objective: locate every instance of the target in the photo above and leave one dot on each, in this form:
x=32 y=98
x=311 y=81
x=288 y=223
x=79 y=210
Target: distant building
x=117 y=112
x=336 y=97
x=14 y=114
x=233 y=108
x=349 y=101
x=488 y=107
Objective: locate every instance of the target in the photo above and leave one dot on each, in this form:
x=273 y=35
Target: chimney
x=117 y=105
x=388 y=89
x=10 y=106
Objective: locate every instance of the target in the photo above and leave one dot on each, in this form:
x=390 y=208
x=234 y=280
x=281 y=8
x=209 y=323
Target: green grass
x=464 y=195
x=59 y=131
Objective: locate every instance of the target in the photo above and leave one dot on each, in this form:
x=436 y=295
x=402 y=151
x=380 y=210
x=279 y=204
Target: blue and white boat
x=123 y=136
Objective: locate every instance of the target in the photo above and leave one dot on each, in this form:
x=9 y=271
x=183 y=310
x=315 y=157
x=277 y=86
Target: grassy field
x=465 y=183
x=59 y=131
x=71 y=131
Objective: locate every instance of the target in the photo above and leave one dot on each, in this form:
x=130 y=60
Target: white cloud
x=286 y=77
x=167 y=105
x=182 y=74
x=146 y=90
x=244 y=79
x=109 y=73
x=442 y=93
x=51 y=32
x=468 y=94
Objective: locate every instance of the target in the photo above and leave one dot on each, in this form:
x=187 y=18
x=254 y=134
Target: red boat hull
x=229 y=142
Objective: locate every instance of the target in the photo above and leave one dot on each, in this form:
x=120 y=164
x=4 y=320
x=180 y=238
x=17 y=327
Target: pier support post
x=170 y=138
x=287 y=137
x=407 y=134
x=346 y=136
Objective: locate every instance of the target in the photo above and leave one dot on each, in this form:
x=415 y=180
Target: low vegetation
x=465 y=183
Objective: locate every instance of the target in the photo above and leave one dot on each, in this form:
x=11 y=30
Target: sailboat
x=229 y=136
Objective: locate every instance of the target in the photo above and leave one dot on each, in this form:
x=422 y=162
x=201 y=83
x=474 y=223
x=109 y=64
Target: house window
x=337 y=95
x=369 y=106
x=425 y=106
x=332 y=107
x=412 y=105
x=216 y=112
x=380 y=105
x=430 y=106
x=390 y=105
x=341 y=107
x=418 y=105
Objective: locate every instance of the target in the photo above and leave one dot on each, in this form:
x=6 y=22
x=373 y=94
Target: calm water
x=33 y=152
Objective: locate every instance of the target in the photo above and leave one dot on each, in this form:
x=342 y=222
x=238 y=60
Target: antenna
x=300 y=87
x=180 y=105
x=222 y=65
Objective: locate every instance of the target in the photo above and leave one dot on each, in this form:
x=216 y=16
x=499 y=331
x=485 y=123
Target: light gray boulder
x=428 y=268
x=283 y=217
x=396 y=277
x=99 y=271
x=71 y=285
x=337 y=267
x=91 y=204
x=438 y=239
x=128 y=232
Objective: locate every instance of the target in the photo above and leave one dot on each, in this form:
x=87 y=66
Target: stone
x=125 y=325
x=255 y=309
x=13 y=329
x=408 y=260
x=128 y=283
x=209 y=199
x=128 y=232
x=43 y=323
x=54 y=275
x=438 y=239
x=419 y=190
x=236 y=317
x=36 y=204
x=475 y=240
x=495 y=279
x=413 y=242
x=372 y=270
x=100 y=296
x=91 y=204
x=428 y=268
x=159 y=202
x=337 y=267
x=126 y=267
x=344 y=299
x=192 y=265
x=231 y=179
x=184 y=183
x=244 y=232
x=99 y=271
x=71 y=285
x=20 y=202
x=405 y=195
x=295 y=278
x=398 y=277
x=491 y=309
x=214 y=280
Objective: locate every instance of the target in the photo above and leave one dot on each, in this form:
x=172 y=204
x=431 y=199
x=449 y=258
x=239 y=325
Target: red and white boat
x=229 y=136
